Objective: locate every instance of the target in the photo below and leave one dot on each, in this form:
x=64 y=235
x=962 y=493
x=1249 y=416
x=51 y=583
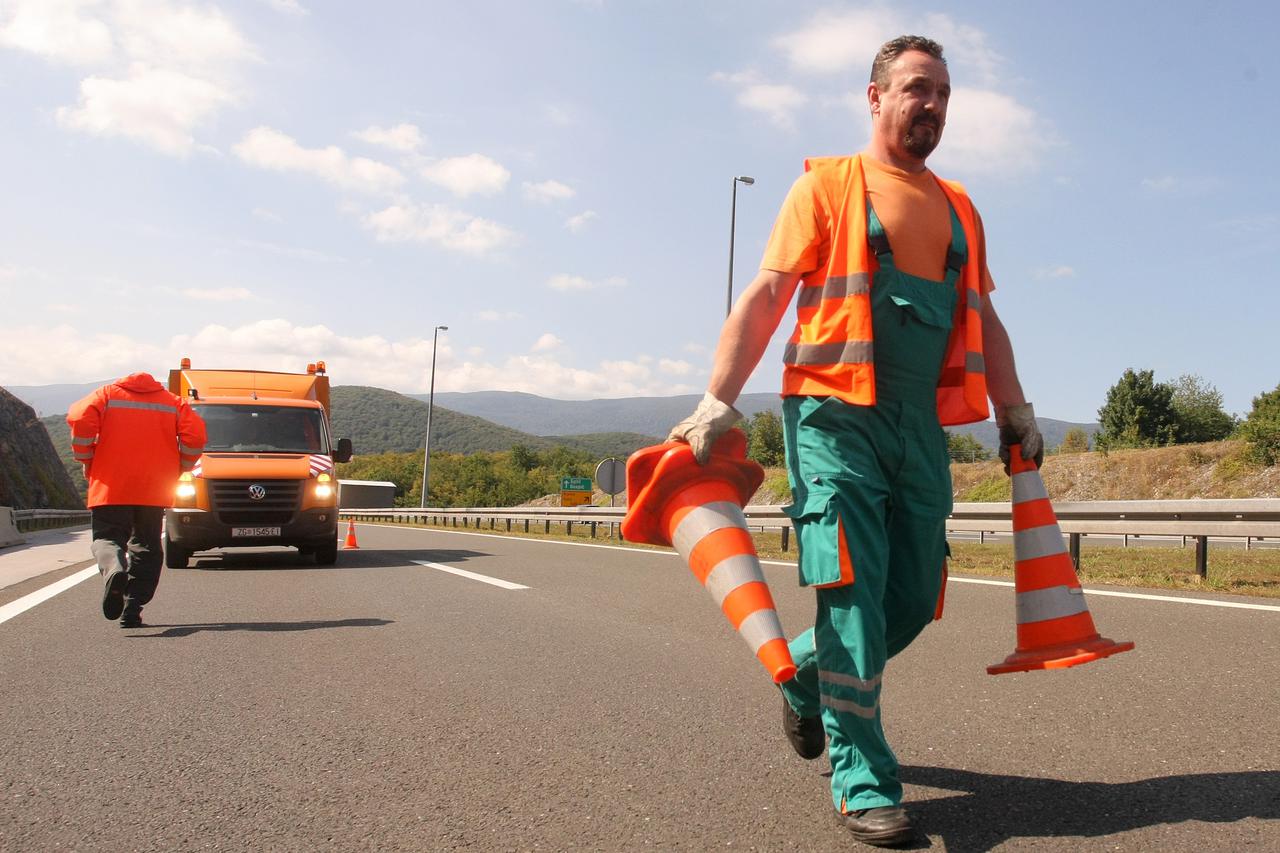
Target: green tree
x=766 y=445
x=523 y=458
x=966 y=448
x=1261 y=428
x=1075 y=441
x=1200 y=414
x=1138 y=412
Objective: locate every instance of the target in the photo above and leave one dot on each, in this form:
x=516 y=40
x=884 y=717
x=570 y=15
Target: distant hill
x=377 y=420
x=53 y=399
x=654 y=416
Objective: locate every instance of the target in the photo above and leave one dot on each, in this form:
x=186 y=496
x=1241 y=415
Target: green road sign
x=575 y=484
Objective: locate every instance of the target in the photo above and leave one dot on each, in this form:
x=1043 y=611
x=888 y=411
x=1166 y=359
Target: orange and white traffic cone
x=1055 y=629
x=672 y=500
x=351 y=537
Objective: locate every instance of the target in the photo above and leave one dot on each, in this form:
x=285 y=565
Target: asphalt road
x=387 y=705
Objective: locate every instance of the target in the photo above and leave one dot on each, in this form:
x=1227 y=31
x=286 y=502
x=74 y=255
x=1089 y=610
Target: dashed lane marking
x=471 y=575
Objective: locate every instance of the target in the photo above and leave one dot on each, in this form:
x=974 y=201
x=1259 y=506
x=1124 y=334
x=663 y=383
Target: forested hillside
x=378 y=421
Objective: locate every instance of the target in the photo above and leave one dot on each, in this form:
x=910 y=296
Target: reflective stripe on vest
x=831 y=351
x=135 y=404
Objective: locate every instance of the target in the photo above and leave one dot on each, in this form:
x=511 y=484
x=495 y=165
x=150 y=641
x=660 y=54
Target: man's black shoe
x=113 y=594
x=131 y=618
x=806 y=735
x=887 y=826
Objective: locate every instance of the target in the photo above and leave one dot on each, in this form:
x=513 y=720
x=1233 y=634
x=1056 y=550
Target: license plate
x=255 y=531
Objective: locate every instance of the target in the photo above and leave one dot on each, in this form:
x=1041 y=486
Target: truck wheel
x=327 y=555
x=175 y=557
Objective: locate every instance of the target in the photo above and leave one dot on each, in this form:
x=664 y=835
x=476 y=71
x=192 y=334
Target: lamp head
x=745 y=179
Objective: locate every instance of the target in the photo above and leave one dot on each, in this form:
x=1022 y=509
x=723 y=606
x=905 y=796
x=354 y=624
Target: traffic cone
x=1055 y=629
x=672 y=500
x=351 y=537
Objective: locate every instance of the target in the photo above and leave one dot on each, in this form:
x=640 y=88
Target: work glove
x=708 y=422
x=1017 y=425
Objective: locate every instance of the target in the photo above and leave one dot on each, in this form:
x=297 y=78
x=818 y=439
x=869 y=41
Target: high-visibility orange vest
x=134 y=438
x=831 y=352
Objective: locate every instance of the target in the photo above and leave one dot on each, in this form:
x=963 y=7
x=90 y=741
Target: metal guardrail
x=1247 y=519
x=40 y=519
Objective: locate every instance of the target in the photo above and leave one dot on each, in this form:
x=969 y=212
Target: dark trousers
x=128 y=538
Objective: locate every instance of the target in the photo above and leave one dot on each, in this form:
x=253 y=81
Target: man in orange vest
x=134 y=439
x=895 y=337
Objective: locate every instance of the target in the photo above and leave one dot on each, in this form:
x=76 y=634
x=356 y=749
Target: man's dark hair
x=891 y=50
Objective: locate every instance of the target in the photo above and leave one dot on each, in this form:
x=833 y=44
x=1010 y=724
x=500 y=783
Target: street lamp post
x=431 y=400
x=733 y=221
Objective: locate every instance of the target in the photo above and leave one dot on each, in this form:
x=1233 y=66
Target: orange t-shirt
x=911 y=207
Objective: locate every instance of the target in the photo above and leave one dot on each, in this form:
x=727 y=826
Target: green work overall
x=880 y=474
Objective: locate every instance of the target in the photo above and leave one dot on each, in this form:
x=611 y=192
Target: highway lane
x=382 y=704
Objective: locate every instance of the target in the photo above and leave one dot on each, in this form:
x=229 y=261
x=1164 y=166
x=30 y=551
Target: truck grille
x=234 y=505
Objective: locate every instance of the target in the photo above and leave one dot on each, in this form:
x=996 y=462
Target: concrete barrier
x=9 y=534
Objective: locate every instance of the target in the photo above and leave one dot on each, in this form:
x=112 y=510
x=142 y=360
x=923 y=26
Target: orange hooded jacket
x=134 y=438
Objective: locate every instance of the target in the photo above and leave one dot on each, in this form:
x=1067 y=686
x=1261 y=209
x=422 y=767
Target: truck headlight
x=324 y=487
x=186 y=489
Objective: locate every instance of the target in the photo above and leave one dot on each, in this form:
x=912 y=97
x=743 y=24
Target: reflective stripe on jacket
x=134 y=439
x=831 y=351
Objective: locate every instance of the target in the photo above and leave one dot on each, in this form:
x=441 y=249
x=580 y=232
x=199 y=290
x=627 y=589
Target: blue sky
x=270 y=182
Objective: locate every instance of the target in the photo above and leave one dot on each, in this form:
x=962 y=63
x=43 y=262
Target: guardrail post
x=526 y=525
x=568 y=528
x=1202 y=557
x=546 y=526
x=1075 y=550
x=593 y=530
x=786 y=538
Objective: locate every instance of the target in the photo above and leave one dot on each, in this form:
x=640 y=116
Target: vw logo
x=257 y=491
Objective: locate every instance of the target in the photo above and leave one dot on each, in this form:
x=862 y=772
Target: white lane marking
x=1206 y=602
x=472 y=575
x=22 y=605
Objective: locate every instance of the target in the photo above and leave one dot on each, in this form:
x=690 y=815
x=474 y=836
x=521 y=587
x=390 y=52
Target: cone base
x=1060 y=656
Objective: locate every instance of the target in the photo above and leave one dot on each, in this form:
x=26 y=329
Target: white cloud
x=288 y=7
x=546 y=343
x=63 y=353
x=564 y=282
x=218 y=294
x=440 y=225
x=548 y=191
x=777 y=101
x=268 y=148
x=58 y=30
x=839 y=41
x=156 y=106
x=491 y=316
x=991 y=133
x=402 y=137
x=1061 y=271
x=164 y=68
x=295 y=252
x=578 y=222
x=1160 y=184
x=267 y=215
x=473 y=174
x=675 y=367
x=965 y=48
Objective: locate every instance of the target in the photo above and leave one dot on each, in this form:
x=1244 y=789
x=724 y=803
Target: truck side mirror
x=343 y=451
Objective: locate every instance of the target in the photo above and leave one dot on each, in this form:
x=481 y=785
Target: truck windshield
x=262 y=429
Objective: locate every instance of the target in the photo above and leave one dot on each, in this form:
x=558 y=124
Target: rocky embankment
x=31 y=474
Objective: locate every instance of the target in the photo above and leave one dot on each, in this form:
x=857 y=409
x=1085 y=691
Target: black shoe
x=887 y=826
x=113 y=594
x=131 y=618
x=806 y=735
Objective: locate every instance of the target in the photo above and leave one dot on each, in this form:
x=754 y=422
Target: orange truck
x=267 y=474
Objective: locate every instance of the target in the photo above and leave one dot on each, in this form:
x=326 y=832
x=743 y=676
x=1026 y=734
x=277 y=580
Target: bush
x=1261 y=429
